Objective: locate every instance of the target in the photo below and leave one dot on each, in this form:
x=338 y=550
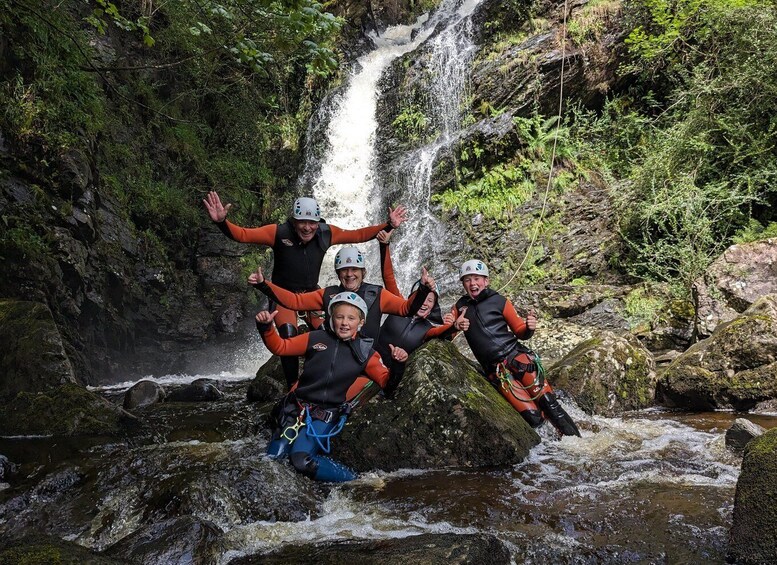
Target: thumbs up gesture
x=461 y=322
x=531 y=320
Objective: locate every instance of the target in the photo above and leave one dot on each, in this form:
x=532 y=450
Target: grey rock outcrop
x=143 y=394
x=199 y=390
x=741 y=432
x=733 y=282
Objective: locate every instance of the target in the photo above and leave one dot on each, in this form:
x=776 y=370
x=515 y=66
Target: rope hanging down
x=553 y=152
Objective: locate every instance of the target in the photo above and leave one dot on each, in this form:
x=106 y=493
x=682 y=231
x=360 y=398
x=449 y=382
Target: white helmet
x=473 y=267
x=349 y=257
x=349 y=298
x=306 y=209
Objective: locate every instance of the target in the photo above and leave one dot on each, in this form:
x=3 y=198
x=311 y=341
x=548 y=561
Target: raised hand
x=426 y=278
x=384 y=236
x=461 y=322
x=216 y=210
x=448 y=319
x=397 y=216
x=256 y=277
x=398 y=354
x=531 y=320
x=265 y=317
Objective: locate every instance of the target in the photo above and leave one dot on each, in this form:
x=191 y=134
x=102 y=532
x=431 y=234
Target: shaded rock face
x=741 y=432
x=607 y=375
x=33 y=358
x=44 y=549
x=269 y=383
x=752 y=539
x=67 y=410
x=177 y=540
x=735 y=368
x=143 y=394
x=445 y=414
x=127 y=491
x=733 y=282
x=425 y=549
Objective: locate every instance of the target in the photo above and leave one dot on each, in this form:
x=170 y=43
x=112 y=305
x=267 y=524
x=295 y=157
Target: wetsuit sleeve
x=516 y=323
x=301 y=302
x=439 y=331
x=264 y=235
x=293 y=346
x=361 y=235
x=376 y=370
x=387 y=270
x=393 y=304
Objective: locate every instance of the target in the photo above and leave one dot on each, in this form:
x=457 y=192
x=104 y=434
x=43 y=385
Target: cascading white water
x=345 y=187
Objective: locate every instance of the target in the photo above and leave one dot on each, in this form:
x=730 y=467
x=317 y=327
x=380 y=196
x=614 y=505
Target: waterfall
x=344 y=179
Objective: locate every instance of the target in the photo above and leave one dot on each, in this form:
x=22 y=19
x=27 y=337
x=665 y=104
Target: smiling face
x=351 y=278
x=305 y=229
x=427 y=306
x=346 y=320
x=474 y=284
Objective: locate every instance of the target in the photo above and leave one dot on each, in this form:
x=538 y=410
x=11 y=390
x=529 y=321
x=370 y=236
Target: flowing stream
x=649 y=487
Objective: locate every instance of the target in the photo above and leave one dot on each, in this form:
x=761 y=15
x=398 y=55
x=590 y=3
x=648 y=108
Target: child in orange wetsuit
x=492 y=328
x=316 y=408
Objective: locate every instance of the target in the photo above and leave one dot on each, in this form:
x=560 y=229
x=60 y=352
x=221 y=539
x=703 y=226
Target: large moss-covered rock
x=734 y=281
x=444 y=414
x=607 y=375
x=269 y=382
x=46 y=550
x=33 y=358
x=425 y=549
x=736 y=367
x=64 y=411
x=752 y=538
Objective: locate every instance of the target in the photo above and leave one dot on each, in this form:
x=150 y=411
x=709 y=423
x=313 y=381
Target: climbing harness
x=326 y=436
x=291 y=436
x=509 y=383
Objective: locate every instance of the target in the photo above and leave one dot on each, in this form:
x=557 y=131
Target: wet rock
x=200 y=390
x=424 y=549
x=7 y=469
x=178 y=540
x=445 y=414
x=741 y=432
x=40 y=549
x=33 y=357
x=752 y=539
x=607 y=375
x=67 y=410
x=143 y=394
x=733 y=282
x=606 y=315
x=269 y=383
x=735 y=368
x=569 y=301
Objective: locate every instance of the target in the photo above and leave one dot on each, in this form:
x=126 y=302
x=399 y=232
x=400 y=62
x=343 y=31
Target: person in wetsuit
x=316 y=408
x=349 y=265
x=405 y=332
x=492 y=328
x=298 y=247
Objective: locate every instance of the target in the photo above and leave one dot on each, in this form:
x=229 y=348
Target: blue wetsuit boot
x=331 y=471
x=278 y=448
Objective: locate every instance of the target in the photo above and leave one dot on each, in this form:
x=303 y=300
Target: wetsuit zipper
x=331 y=370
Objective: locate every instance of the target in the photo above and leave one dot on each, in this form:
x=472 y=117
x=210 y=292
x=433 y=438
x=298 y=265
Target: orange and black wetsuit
x=330 y=375
x=407 y=332
x=493 y=335
x=297 y=265
x=379 y=301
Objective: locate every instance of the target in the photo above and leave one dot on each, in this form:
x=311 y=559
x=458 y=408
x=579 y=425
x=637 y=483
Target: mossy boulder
x=47 y=550
x=68 y=410
x=33 y=358
x=735 y=368
x=444 y=414
x=607 y=375
x=752 y=538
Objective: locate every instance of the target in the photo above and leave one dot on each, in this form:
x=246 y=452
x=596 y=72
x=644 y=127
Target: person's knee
x=533 y=417
x=304 y=463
